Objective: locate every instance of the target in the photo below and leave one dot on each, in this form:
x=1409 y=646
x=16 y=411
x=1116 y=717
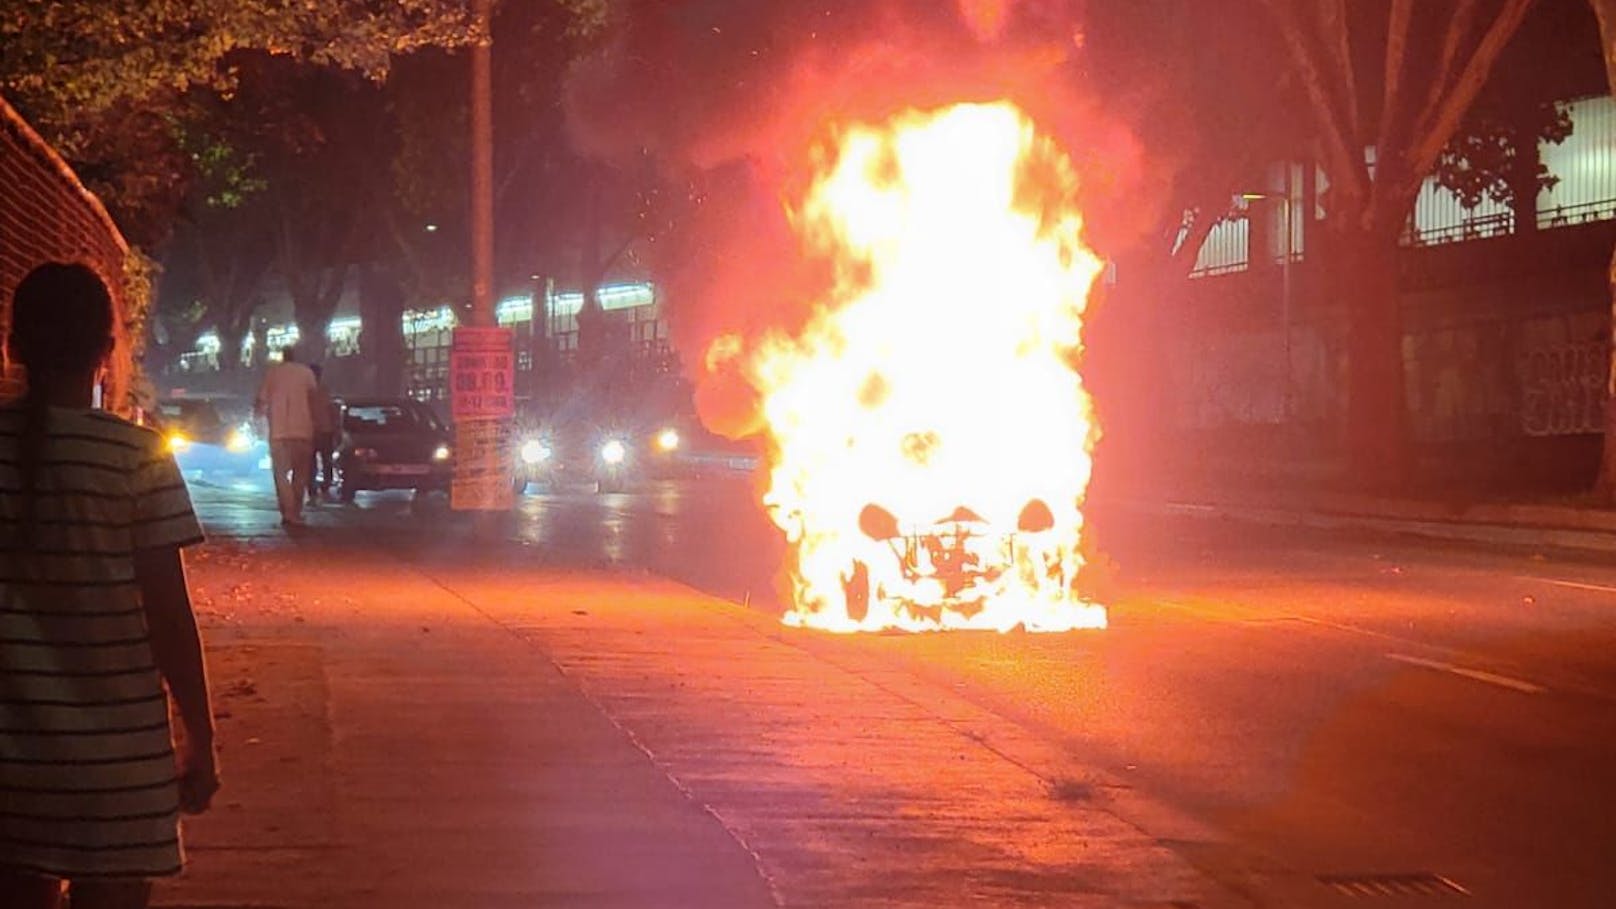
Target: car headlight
x=535 y=452
x=178 y=442
x=441 y=453
x=613 y=451
x=240 y=440
x=668 y=440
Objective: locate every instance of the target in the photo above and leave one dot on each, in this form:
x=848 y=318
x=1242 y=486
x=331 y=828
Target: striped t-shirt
x=87 y=774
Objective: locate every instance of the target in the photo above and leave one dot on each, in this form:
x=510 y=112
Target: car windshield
x=388 y=418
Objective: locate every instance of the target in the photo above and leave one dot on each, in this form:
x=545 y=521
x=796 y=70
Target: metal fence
x=1585 y=164
x=1227 y=248
x=1439 y=217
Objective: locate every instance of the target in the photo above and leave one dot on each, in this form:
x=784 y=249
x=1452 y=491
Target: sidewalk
x=384 y=746
x=443 y=728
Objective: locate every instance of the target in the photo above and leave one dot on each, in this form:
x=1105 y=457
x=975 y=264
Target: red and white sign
x=482 y=395
x=483 y=467
x=482 y=374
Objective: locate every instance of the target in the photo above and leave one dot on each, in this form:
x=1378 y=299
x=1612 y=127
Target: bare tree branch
x=1392 y=100
x=1342 y=149
x=1332 y=24
x=1459 y=27
x=1208 y=214
x=1435 y=131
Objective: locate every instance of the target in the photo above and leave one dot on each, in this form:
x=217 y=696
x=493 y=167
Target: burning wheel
x=856 y=587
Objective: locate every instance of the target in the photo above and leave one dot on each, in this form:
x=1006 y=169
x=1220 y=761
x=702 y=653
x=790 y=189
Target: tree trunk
x=381 y=342
x=1378 y=445
x=260 y=336
x=1523 y=181
x=1605 y=485
x=591 y=272
x=230 y=340
x=313 y=305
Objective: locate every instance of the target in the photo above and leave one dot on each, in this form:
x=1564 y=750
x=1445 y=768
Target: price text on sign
x=482 y=373
x=483 y=467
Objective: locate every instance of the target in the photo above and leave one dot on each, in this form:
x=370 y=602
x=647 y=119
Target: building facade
x=545 y=323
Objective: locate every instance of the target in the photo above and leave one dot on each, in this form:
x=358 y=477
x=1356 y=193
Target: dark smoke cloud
x=734 y=93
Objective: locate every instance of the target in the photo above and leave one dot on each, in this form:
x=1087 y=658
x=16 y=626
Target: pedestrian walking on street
x=287 y=401
x=326 y=424
x=94 y=620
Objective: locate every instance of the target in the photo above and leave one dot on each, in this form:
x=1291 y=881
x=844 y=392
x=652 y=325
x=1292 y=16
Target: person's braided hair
x=61 y=325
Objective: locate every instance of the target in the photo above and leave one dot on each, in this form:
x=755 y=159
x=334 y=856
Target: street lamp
x=1283 y=197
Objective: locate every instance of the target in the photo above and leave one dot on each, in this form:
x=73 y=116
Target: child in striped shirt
x=94 y=620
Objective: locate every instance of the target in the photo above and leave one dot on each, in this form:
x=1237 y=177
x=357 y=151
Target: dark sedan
x=392 y=443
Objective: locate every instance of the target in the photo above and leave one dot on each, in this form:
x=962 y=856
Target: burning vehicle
x=928 y=430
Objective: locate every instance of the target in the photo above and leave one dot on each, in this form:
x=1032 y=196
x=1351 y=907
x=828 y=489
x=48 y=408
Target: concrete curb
x=1547 y=517
x=1469 y=526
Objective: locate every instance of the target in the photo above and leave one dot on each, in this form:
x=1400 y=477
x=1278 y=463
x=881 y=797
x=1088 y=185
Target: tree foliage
x=110 y=83
x=74 y=61
x=1484 y=161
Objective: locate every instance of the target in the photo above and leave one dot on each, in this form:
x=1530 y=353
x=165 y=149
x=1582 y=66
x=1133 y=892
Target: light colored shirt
x=86 y=765
x=287 y=401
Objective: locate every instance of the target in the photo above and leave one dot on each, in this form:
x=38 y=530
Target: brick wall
x=47 y=215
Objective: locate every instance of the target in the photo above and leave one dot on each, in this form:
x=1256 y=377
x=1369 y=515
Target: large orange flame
x=930 y=433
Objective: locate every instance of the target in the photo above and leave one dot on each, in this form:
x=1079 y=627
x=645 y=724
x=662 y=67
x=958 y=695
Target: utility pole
x=482 y=168
x=1285 y=199
x=1288 y=247
x=482 y=359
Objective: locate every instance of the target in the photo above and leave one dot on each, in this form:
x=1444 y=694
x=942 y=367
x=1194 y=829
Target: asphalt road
x=1293 y=711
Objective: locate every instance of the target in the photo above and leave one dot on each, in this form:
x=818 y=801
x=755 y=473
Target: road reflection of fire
x=929 y=432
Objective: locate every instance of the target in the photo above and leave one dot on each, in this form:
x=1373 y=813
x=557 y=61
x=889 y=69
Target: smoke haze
x=736 y=95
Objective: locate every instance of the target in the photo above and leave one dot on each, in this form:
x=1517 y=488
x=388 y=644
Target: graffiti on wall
x=1564 y=389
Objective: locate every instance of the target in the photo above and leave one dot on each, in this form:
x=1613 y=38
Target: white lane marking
x=1479 y=675
x=1577 y=585
x=1500 y=680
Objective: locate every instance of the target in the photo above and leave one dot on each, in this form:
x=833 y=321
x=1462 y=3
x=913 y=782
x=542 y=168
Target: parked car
x=392 y=443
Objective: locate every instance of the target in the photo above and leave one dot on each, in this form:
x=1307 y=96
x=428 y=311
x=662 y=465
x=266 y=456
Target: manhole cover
x=1370 y=886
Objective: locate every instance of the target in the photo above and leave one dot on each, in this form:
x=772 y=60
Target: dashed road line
x=1575 y=585
x=1478 y=675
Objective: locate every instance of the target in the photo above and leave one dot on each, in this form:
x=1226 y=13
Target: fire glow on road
x=929 y=431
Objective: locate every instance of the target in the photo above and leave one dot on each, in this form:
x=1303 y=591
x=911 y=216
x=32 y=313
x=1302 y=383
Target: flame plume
x=929 y=431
